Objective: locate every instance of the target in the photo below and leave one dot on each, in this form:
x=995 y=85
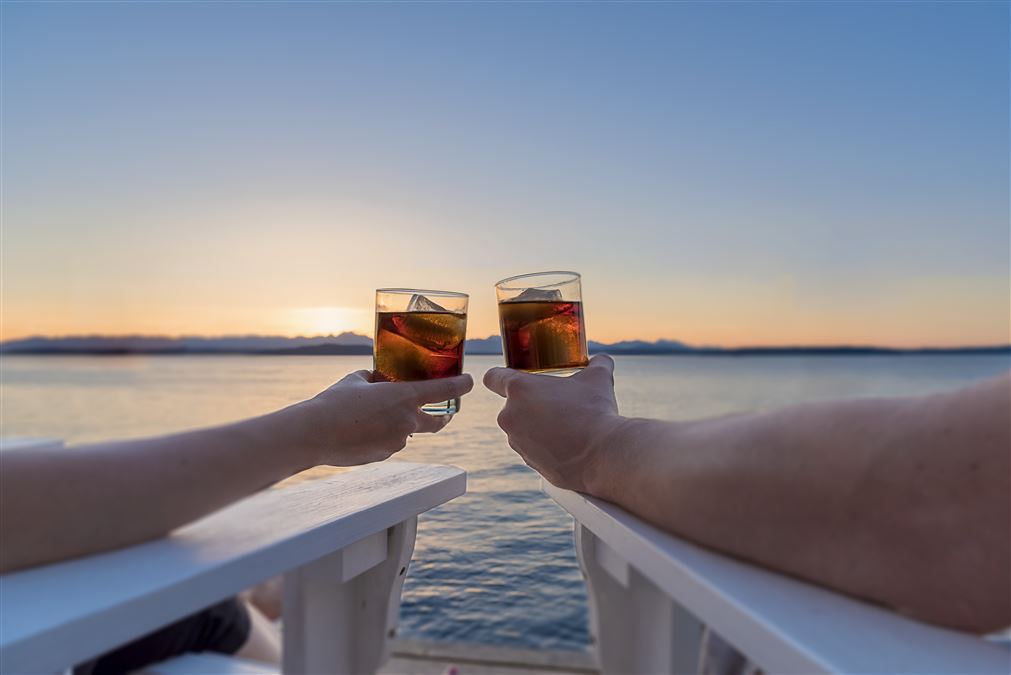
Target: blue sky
x=735 y=173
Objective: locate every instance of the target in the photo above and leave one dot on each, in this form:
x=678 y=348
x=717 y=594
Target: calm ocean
x=496 y=565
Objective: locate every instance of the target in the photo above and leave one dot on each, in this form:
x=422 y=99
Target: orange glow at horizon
x=329 y=321
x=928 y=312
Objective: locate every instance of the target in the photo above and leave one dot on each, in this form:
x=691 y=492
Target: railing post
x=340 y=610
x=635 y=627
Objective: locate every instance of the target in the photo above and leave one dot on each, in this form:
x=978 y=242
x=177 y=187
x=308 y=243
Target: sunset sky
x=722 y=173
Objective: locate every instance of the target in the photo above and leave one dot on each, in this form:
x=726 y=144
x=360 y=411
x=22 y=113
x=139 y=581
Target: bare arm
x=906 y=502
x=67 y=502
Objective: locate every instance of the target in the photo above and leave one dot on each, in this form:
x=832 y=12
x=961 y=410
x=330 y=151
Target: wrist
x=301 y=439
x=604 y=457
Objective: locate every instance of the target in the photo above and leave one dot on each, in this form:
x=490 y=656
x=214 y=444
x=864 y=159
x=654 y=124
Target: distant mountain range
x=345 y=343
x=352 y=343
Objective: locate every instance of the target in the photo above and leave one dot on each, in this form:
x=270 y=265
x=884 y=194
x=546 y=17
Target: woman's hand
x=358 y=420
x=178 y=478
x=556 y=423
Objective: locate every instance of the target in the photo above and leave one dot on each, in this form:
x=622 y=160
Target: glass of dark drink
x=420 y=336
x=541 y=316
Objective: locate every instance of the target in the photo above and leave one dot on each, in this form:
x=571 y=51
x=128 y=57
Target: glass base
x=450 y=407
x=557 y=372
x=562 y=372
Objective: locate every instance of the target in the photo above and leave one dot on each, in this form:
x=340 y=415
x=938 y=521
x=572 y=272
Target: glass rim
x=573 y=276
x=423 y=291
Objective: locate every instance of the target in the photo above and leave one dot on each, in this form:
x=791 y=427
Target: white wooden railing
x=651 y=594
x=343 y=542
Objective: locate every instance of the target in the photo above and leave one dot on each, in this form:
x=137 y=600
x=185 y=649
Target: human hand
x=358 y=420
x=556 y=424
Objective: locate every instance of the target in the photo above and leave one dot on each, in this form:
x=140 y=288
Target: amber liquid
x=543 y=336
x=419 y=345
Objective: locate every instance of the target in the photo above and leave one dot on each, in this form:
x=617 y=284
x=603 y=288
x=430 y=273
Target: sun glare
x=329 y=320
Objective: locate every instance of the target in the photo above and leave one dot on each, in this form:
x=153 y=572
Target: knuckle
x=505 y=419
x=519 y=387
x=515 y=444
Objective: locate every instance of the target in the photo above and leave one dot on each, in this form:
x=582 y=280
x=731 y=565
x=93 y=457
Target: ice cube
x=420 y=303
x=437 y=331
x=401 y=360
x=538 y=295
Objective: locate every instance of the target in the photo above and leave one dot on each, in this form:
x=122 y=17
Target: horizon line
x=658 y=341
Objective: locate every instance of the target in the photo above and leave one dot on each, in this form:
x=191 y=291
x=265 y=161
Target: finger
x=429 y=424
x=498 y=379
x=443 y=389
x=601 y=364
x=503 y=381
x=604 y=361
x=358 y=375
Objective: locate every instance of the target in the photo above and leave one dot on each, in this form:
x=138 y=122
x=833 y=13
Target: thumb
x=442 y=389
x=600 y=363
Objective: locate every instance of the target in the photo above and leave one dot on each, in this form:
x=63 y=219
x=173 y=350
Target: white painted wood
x=636 y=627
x=207 y=663
x=21 y=442
x=339 y=624
x=782 y=624
x=68 y=612
x=412 y=656
x=610 y=560
x=361 y=556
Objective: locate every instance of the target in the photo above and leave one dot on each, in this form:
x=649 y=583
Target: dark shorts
x=222 y=628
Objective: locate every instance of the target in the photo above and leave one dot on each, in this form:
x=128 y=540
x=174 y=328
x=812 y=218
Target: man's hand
x=557 y=424
x=358 y=420
x=903 y=502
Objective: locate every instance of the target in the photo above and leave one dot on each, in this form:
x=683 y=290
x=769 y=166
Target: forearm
x=62 y=503
x=902 y=501
x=80 y=500
x=755 y=486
